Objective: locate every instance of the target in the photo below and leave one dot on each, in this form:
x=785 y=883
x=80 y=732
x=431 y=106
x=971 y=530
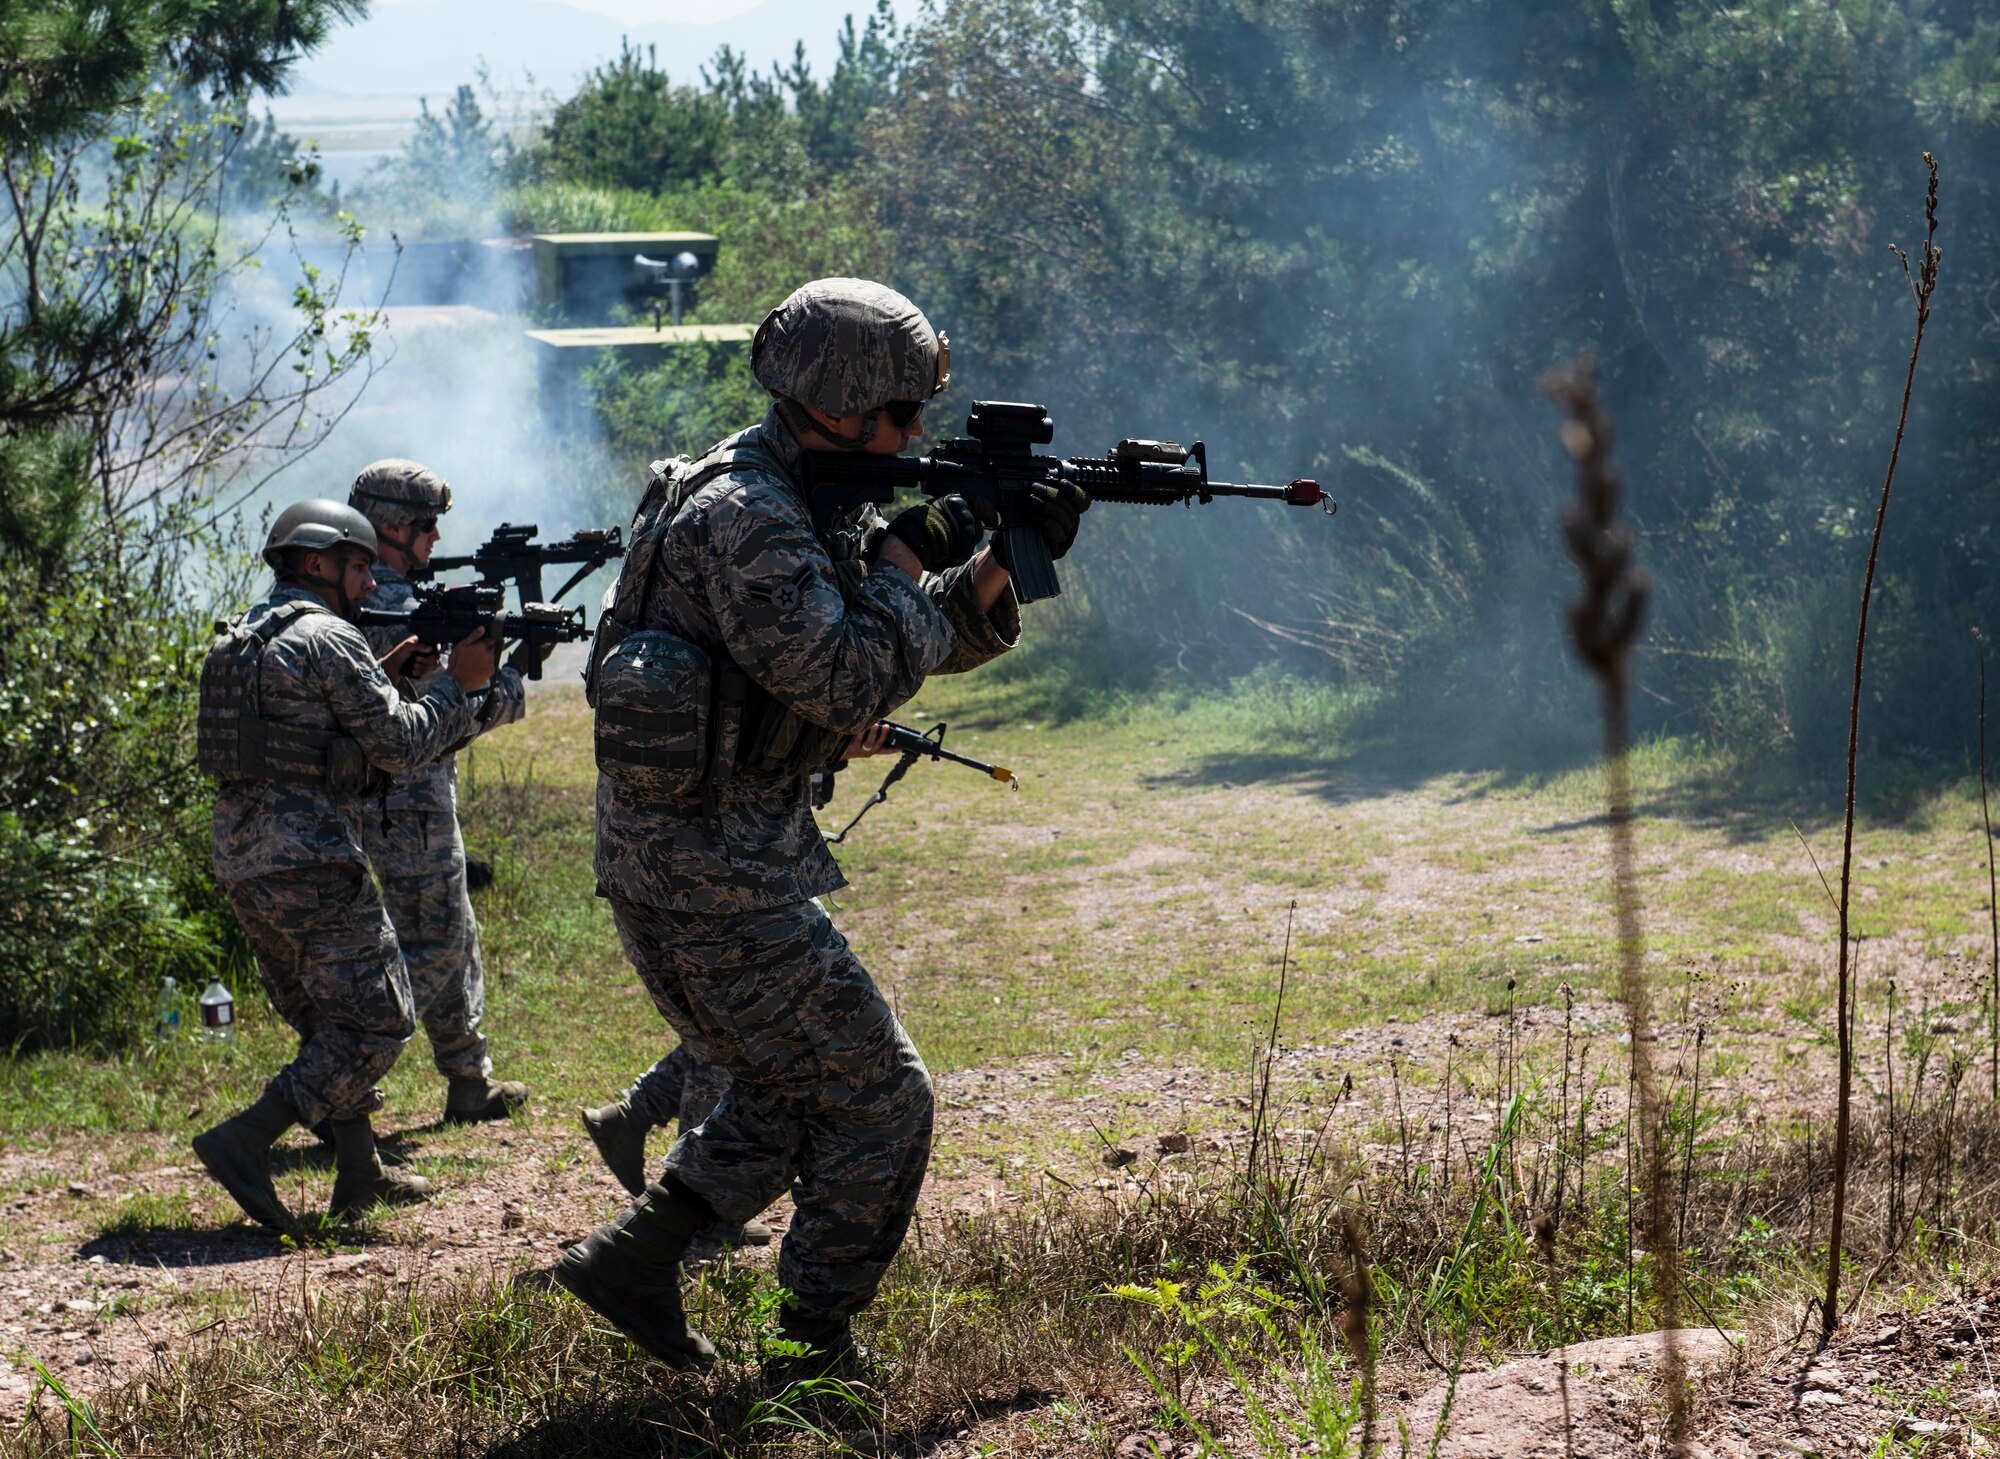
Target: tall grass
x=1237 y=1292
x=1922 y=285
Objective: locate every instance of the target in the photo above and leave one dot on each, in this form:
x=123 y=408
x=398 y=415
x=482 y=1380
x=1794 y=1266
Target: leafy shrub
x=104 y=882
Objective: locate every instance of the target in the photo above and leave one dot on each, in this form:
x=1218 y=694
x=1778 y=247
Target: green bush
x=104 y=868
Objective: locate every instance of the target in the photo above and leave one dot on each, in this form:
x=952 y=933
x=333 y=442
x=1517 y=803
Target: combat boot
x=470 y=1100
x=712 y=1241
x=323 y=1131
x=359 y=1179
x=831 y=1351
x=628 y=1271
x=619 y=1133
x=237 y=1153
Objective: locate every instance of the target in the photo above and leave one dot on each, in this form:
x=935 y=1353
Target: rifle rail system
x=511 y=554
x=995 y=460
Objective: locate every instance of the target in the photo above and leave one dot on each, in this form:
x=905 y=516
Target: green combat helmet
x=849 y=347
x=395 y=493
x=317 y=524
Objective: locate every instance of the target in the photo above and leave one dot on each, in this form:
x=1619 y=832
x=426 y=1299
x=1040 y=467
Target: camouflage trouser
x=328 y=959
x=684 y=1086
x=420 y=862
x=822 y=1080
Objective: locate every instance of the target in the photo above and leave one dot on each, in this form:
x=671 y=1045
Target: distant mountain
x=428 y=47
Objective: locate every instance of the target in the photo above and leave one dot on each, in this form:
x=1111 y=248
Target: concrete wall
x=585 y=278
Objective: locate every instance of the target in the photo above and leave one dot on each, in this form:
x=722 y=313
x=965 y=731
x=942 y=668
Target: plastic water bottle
x=218 y=1013
x=167 y=1013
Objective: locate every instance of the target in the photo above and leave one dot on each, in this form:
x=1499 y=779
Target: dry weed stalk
x=1923 y=283
x=1357 y=1290
x=1603 y=624
x=1992 y=883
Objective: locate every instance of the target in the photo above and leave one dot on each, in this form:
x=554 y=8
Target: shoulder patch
x=784 y=594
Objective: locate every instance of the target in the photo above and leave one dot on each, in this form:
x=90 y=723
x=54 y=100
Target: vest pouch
x=348 y=771
x=732 y=693
x=220 y=710
x=780 y=742
x=654 y=693
x=608 y=634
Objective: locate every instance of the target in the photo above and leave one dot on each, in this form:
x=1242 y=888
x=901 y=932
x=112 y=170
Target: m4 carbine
x=445 y=616
x=910 y=747
x=512 y=553
x=996 y=460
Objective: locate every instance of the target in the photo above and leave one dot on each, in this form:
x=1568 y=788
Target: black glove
x=945 y=532
x=1054 y=510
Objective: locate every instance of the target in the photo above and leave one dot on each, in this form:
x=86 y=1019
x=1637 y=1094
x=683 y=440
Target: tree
x=448 y=180
x=1348 y=239
x=630 y=126
x=133 y=390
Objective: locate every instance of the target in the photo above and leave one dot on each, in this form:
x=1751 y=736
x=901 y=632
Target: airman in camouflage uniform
x=415 y=844
x=713 y=893
x=288 y=853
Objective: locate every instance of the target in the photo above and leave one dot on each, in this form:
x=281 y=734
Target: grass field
x=1089 y=965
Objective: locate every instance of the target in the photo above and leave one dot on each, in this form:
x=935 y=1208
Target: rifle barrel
x=1159 y=484
x=909 y=742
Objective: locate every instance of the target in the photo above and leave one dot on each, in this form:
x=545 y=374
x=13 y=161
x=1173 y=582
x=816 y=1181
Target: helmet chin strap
x=801 y=421
x=347 y=607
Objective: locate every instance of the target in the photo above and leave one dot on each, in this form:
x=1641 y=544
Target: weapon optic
x=911 y=747
x=512 y=553
x=995 y=460
x=446 y=615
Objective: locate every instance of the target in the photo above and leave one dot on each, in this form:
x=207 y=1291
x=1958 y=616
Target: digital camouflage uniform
x=290 y=859
x=419 y=858
x=685 y=1086
x=722 y=927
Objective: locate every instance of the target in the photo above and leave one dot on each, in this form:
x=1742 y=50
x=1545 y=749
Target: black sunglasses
x=904 y=413
x=425 y=524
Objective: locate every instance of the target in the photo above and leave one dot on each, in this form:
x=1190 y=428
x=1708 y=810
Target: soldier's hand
x=1055 y=510
x=945 y=532
x=872 y=741
x=395 y=662
x=423 y=660
x=472 y=660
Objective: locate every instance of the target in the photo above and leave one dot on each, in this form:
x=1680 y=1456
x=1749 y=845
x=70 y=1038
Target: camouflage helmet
x=395 y=493
x=317 y=524
x=847 y=346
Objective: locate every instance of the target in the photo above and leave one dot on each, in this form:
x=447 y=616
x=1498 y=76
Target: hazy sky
x=646 y=12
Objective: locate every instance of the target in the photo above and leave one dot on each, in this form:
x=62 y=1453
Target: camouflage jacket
x=320 y=673
x=430 y=787
x=742 y=573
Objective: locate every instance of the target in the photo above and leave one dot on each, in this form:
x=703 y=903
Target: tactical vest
x=673 y=719
x=233 y=740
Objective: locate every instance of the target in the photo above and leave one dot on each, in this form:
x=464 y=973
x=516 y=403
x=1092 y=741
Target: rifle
x=512 y=552
x=445 y=615
x=913 y=747
x=995 y=460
